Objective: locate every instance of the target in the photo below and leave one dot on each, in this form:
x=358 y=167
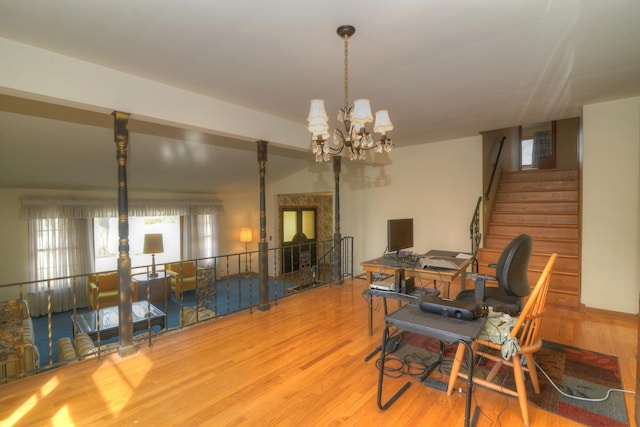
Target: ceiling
x=444 y=69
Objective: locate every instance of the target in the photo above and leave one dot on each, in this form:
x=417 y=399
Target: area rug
x=578 y=372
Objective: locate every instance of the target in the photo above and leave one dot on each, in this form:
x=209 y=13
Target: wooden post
x=125 y=329
x=263 y=246
x=337 y=237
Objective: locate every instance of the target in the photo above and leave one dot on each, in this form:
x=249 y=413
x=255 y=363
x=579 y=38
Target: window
x=58 y=247
x=527 y=154
x=58 y=251
x=106 y=236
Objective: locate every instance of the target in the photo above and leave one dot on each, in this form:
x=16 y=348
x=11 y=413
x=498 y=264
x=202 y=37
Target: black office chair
x=511 y=275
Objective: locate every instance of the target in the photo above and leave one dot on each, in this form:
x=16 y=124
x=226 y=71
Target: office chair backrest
x=512 y=267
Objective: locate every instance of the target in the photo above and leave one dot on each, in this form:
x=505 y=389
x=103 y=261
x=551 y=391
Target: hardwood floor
x=299 y=363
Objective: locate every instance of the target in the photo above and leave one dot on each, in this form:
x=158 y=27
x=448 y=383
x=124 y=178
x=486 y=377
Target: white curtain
x=61 y=240
x=200 y=236
x=59 y=248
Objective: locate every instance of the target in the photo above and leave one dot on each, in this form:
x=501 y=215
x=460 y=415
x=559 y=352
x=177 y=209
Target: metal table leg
x=383 y=406
x=467 y=407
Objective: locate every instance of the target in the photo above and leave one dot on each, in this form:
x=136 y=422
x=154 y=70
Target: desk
x=389 y=266
x=411 y=318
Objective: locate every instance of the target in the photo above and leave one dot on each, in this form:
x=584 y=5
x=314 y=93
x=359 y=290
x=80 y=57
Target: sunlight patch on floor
x=33 y=400
x=117 y=394
x=62 y=418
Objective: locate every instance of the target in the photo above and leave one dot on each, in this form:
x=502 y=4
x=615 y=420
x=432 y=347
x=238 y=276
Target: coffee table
x=145 y=316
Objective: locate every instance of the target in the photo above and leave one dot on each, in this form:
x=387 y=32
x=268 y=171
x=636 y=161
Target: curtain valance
x=77 y=207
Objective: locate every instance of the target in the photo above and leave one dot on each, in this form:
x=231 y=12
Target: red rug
x=578 y=372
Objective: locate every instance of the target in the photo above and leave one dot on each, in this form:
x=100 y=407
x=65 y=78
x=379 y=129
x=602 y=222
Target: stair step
x=564 y=263
x=538 y=207
x=559 y=218
x=570 y=195
x=540 y=175
x=560 y=282
x=564 y=247
x=538 y=186
x=562 y=232
x=561 y=299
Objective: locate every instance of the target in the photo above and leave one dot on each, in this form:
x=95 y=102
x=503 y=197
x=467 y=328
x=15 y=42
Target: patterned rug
x=578 y=372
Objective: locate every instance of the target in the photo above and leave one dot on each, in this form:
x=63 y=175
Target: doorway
x=298 y=238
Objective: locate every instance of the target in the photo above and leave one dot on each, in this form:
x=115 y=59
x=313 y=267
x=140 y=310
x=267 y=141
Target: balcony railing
x=206 y=288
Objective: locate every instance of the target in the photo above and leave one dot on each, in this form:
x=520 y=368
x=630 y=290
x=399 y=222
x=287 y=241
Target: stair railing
x=474 y=227
x=475 y=236
x=495 y=166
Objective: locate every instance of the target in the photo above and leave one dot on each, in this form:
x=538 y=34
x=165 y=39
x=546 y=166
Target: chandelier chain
x=346 y=73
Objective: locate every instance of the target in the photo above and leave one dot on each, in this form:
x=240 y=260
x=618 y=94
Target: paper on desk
x=463 y=255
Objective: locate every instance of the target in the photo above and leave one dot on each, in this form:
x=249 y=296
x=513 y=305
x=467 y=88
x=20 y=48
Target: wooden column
x=337 y=237
x=125 y=333
x=263 y=246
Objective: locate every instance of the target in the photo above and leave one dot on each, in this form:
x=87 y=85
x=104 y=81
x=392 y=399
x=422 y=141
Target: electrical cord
x=411 y=365
x=587 y=399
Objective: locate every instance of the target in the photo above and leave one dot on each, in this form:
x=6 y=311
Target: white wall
x=13 y=247
x=437 y=184
x=611 y=205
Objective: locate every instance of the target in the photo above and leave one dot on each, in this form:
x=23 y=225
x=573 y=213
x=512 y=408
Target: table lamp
x=153 y=245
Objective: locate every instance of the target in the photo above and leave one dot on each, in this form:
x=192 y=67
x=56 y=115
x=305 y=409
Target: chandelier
x=355 y=138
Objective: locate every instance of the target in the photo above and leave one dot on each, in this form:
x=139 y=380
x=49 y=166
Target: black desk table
x=410 y=318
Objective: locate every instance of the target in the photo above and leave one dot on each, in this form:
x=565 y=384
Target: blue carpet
x=232 y=295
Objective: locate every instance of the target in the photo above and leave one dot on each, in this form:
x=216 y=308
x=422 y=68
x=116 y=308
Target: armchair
x=512 y=278
x=183 y=276
x=105 y=286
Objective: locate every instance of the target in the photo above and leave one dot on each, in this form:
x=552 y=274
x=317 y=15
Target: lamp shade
x=246 y=235
x=316 y=110
x=361 y=113
x=153 y=243
x=383 y=122
x=318 y=120
x=318 y=126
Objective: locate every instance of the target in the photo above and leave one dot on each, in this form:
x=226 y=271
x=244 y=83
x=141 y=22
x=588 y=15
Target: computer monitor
x=399 y=234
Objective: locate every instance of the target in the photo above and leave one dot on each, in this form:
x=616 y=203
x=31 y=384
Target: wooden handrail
x=495 y=166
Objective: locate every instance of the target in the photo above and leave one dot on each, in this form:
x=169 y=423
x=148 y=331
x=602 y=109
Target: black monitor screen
x=399 y=234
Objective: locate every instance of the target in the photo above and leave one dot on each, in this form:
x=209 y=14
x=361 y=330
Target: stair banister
x=495 y=166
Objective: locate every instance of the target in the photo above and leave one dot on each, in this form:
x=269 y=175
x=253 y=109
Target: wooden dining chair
x=527 y=333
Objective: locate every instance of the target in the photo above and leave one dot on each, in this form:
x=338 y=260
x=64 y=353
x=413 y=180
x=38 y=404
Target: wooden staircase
x=543 y=204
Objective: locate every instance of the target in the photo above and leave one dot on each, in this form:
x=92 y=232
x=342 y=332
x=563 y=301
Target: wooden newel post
x=337 y=237
x=125 y=333
x=263 y=246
